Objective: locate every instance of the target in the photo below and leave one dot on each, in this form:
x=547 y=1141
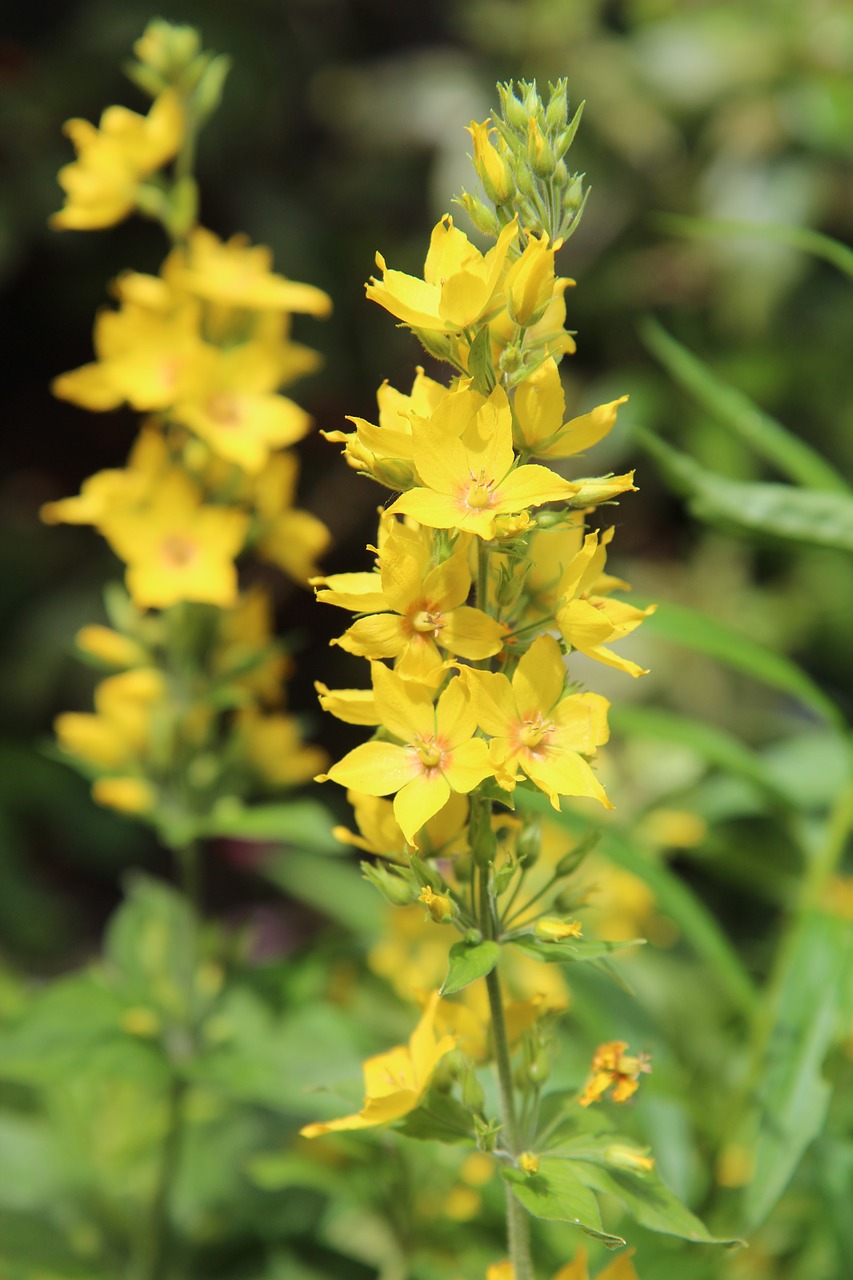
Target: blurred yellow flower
x=612 y=1068
x=102 y=184
x=395 y=1082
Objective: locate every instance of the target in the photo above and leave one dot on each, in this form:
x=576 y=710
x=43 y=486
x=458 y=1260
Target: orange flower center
x=224 y=408
x=178 y=550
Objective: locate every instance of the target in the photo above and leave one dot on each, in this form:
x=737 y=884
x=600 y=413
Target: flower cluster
x=485 y=581
x=203 y=349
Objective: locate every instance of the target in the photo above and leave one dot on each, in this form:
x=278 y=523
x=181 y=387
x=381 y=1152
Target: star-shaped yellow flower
x=419 y=611
x=535 y=728
x=437 y=752
x=176 y=548
x=101 y=185
x=237 y=273
x=464 y=456
x=459 y=284
x=395 y=1082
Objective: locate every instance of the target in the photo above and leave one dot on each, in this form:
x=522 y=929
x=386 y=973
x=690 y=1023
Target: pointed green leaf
x=809 y=516
x=557 y=1193
x=681 y=625
x=733 y=410
x=480 y=365
x=647 y=1199
x=569 y=950
x=469 y=961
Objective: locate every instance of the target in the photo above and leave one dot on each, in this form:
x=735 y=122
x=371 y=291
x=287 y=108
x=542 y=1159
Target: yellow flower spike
x=236 y=273
x=395 y=1082
x=102 y=184
x=459 y=283
x=612 y=1068
x=440 y=755
x=439 y=906
x=176 y=548
x=127 y=795
x=465 y=458
x=587 y=619
x=534 y=728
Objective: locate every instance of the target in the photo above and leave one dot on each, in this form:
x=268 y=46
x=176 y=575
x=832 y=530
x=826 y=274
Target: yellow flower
x=459 y=284
x=492 y=168
x=273 y=746
x=176 y=548
x=530 y=282
x=395 y=1082
x=236 y=411
x=586 y=618
x=118 y=732
x=464 y=456
x=385 y=452
x=102 y=184
x=439 y=906
x=247 y=654
x=539 y=406
x=440 y=753
x=611 y=1068
x=236 y=273
x=151 y=357
x=534 y=727
x=353 y=706
x=118 y=489
x=418 y=610
x=380 y=833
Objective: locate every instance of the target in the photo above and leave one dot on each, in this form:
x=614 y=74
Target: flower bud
x=528 y=1162
x=540 y=154
x=482 y=217
x=439 y=906
x=529 y=843
x=552 y=929
x=492 y=169
x=128 y=795
x=393 y=886
x=632 y=1158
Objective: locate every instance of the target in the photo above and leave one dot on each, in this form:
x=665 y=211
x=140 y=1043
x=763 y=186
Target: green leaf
x=647 y=1199
x=480 y=366
x=305 y=824
x=791 y=1096
x=812 y=517
x=803 y=239
x=674 y=899
x=439 y=1118
x=732 y=409
x=150 y=944
x=469 y=961
x=714 y=746
x=557 y=1194
x=568 y=950
x=681 y=625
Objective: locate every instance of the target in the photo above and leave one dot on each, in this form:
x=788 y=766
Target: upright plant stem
x=518 y=1233
x=159 y=1236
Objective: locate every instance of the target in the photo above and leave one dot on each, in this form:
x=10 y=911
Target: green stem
x=188 y=862
x=518 y=1233
x=158 y=1239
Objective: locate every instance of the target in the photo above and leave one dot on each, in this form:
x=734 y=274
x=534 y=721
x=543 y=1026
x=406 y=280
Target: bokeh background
x=342 y=132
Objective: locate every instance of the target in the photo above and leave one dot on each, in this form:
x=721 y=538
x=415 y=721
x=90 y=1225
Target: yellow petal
x=418 y=801
x=376 y=768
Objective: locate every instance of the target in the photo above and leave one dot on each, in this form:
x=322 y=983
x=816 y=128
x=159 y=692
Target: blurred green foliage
x=343 y=132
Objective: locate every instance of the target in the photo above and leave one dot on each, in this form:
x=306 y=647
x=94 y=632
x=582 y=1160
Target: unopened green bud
x=557 y=112
x=473 y=937
x=573 y=195
x=482 y=217
x=208 y=93
x=393 y=473
x=514 y=111
x=539 y=1067
x=540 y=153
x=393 y=886
x=436 y=344
x=503 y=877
